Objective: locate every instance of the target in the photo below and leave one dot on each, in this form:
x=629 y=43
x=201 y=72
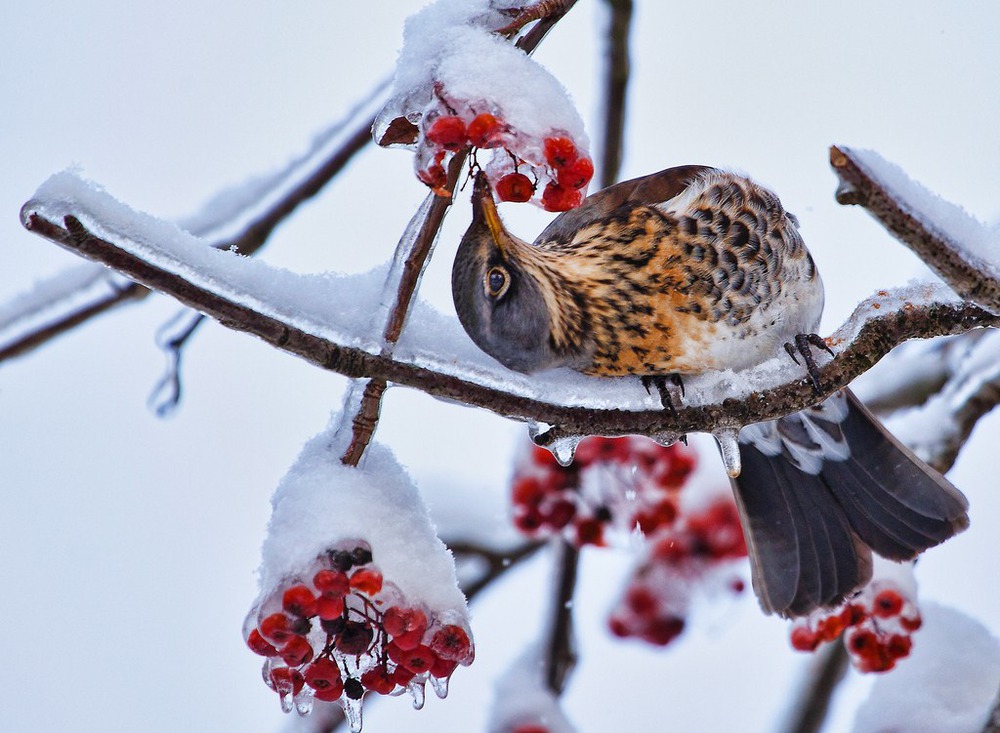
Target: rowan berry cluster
x=693 y=557
x=551 y=171
x=620 y=484
x=340 y=630
x=876 y=626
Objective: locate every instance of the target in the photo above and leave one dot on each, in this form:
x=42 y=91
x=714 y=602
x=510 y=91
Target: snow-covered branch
x=960 y=249
x=310 y=316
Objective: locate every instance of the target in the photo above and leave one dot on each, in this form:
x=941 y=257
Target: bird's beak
x=485 y=207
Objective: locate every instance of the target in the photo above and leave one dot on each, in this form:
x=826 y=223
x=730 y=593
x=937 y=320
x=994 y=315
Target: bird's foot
x=803 y=345
x=663 y=390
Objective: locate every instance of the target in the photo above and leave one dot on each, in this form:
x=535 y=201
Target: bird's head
x=497 y=291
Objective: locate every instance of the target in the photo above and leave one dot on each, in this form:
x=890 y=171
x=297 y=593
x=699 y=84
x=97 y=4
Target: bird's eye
x=496 y=282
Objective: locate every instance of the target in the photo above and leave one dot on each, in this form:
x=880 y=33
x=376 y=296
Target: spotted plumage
x=692 y=270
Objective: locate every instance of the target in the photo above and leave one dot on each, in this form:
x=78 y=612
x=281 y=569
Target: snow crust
x=339 y=308
x=320 y=501
x=975 y=240
x=948 y=683
x=522 y=697
x=449 y=49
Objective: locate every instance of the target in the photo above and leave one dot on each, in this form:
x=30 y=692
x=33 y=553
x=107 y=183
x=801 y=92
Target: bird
x=688 y=271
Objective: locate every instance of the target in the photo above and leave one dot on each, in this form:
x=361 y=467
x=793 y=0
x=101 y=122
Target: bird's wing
x=650 y=190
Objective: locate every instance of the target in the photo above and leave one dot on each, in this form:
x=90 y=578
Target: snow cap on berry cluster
x=321 y=502
x=523 y=702
x=450 y=45
x=949 y=683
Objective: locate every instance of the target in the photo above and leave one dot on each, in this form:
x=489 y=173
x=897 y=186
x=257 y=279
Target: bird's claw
x=803 y=345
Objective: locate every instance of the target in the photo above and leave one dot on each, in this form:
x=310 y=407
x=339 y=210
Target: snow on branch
x=960 y=249
x=321 y=318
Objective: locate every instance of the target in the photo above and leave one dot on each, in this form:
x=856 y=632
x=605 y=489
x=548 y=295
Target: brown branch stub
x=814 y=703
x=862 y=186
x=560 y=653
x=616 y=89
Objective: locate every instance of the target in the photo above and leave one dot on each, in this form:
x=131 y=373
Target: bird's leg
x=802 y=345
x=529 y=12
x=660 y=382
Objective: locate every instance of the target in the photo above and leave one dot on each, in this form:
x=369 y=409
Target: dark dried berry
x=355 y=638
x=353 y=688
x=361 y=555
x=333 y=626
x=341 y=560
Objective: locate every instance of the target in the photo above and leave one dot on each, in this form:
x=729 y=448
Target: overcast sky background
x=130 y=542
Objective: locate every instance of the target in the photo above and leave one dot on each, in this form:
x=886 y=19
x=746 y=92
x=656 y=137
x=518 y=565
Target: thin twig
x=615 y=89
x=561 y=654
x=813 y=704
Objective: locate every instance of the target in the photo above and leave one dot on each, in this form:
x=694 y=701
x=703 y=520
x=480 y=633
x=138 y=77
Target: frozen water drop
x=729 y=447
x=352 y=712
x=303 y=703
x=440 y=686
x=563 y=449
x=665 y=439
x=417 y=692
x=287 y=703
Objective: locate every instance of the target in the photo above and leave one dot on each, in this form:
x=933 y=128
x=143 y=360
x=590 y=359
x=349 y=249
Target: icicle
x=304 y=702
x=729 y=447
x=440 y=686
x=536 y=428
x=665 y=439
x=352 y=712
x=564 y=449
x=416 y=690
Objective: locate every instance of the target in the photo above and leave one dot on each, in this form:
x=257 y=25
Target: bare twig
x=560 y=654
x=860 y=184
x=615 y=89
x=813 y=703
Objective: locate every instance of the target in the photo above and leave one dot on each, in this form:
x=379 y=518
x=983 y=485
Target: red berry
x=803 y=639
x=448 y=132
x=355 y=638
x=641 y=601
x=484 y=131
x=887 y=603
x=560 y=151
x=443 y=668
x=560 y=198
x=530 y=728
x=402 y=676
x=296 y=652
x=664 y=630
x=331 y=583
x=527 y=490
x=323 y=674
x=378 y=680
x=329 y=607
x=276 y=629
x=405 y=626
x=259 y=645
x=560 y=513
x=451 y=642
x=863 y=643
x=367 y=581
x=434 y=177
x=911 y=623
x=330 y=693
x=515 y=187
x=300 y=601
x=417 y=660
x=589 y=532
x=899 y=645
x=576 y=174
x=286 y=681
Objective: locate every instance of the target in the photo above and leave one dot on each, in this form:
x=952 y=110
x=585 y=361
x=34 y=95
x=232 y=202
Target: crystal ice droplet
x=440 y=686
x=563 y=449
x=416 y=690
x=304 y=702
x=665 y=439
x=352 y=712
x=536 y=428
x=729 y=447
x=287 y=702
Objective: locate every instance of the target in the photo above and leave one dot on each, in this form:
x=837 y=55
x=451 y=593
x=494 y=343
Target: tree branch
x=813 y=704
x=615 y=89
x=868 y=181
x=875 y=327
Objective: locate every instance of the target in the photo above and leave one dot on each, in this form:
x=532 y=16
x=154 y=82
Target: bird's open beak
x=483 y=205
